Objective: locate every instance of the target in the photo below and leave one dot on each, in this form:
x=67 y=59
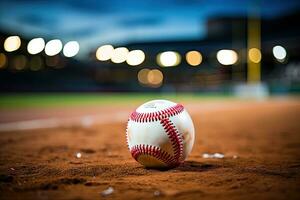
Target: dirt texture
x=260 y=141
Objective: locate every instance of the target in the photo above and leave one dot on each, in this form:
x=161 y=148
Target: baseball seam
x=153 y=151
x=175 y=138
x=173 y=134
x=127 y=139
x=156 y=116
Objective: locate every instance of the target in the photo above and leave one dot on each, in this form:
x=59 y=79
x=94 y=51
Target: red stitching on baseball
x=153 y=151
x=155 y=116
x=127 y=139
x=175 y=138
x=169 y=127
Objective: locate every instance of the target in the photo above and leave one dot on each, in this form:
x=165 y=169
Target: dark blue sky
x=96 y=22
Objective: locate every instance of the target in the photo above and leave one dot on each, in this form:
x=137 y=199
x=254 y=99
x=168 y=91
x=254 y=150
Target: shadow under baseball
x=190 y=166
x=194 y=166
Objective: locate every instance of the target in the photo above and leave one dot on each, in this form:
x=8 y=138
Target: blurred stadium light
x=53 y=47
x=168 y=59
x=143 y=76
x=119 y=55
x=248 y=38
x=151 y=78
x=155 y=78
x=36 y=46
x=254 y=55
x=279 y=53
x=12 y=43
x=104 y=52
x=71 y=49
x=193 y=58
x=227 y=57
x=135 y=57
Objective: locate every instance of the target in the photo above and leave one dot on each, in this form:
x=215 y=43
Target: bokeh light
x=135 y=57
x=53 y=47
x=53 y=61
x=143 y=76
x=168 y=59
x=19 y=62
x=254 y=55
x=104 y=52
x=71 y=49
x=3 y=60
x=119 y=55
x=36 y=46
x=227 y=57
x=193 y=58
x=155 y=78
x=12 y=43
x=279 y=53
x=36 y=63
x=151 y=78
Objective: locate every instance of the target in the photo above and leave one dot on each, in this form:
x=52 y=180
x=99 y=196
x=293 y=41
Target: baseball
x=160 y=134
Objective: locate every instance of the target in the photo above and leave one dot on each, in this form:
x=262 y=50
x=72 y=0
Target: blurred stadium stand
x=59 y=73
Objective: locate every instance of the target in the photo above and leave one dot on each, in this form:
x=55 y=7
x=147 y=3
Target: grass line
x=29 y=100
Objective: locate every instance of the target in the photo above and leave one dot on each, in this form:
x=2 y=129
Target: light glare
x=227 y=57
x=151 y=78
x=254 y=55
x=53 y=47
x=119 y=55
x=143 y=76
x=12 y=43
x=168 y=59
x=36 y=46
x=155 y=78
x=71 y=49
x=104 y=52
x=135 y=57
x=194 y=58
x=279 y=53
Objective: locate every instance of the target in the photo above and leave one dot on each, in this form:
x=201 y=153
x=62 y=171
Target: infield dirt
x=260 y=141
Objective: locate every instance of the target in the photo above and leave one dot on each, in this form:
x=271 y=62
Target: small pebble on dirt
x=156 y=193
x=213 y=155
x=108 y=191
x=78 y=155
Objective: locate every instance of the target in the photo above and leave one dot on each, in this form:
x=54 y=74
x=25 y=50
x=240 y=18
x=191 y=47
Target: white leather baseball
x=160 y=133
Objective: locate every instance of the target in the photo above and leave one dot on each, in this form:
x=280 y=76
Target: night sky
x=96 y=22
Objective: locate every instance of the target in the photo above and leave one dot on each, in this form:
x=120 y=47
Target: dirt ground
x=260 y=141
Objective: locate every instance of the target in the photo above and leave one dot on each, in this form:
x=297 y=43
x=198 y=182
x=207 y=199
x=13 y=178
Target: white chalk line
x=84 y=121
x=90 y=120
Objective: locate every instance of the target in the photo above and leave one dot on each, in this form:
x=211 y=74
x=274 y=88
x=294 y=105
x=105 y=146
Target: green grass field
x=29 y=100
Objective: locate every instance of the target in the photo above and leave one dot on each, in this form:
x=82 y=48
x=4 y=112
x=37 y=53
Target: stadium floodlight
x=36 y=45
x=279 y=53
x=104 y=52
x=135 y=57
x=119 y=55
x=143 y=76
x=155 y=78
x=71 y=49
x=227 y=57
x=254 y=55
x=53 y=47
x=12 y=43
x=193 y=58
x=168 y=59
